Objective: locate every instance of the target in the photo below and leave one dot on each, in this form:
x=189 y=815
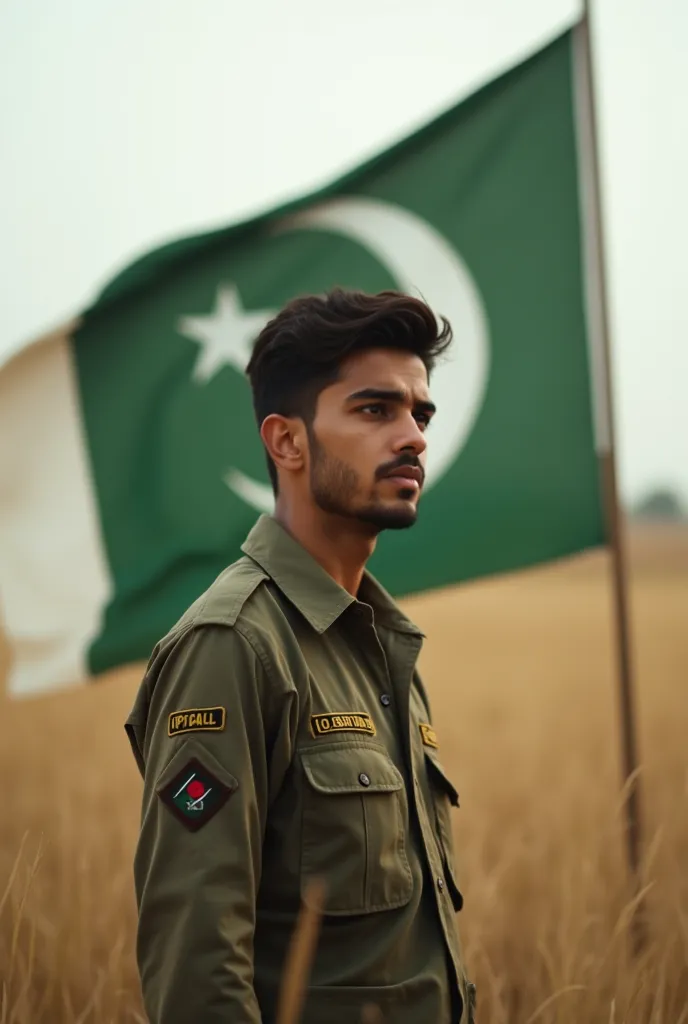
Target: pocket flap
x=439 y=775
x=350 y=769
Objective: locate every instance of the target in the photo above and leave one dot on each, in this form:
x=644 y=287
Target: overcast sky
x=125 y=124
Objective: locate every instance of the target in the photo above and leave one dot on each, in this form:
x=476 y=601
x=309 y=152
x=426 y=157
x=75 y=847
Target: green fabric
x=495 y=180
x=369 y=815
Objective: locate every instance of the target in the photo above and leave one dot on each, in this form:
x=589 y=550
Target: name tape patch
x=196 y=720
x=359 y=721
x=428 y=735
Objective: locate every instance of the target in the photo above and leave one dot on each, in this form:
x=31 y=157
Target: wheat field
x=520 y=672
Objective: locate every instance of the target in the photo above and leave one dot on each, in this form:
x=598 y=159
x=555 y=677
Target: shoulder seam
x=229 y=617
x=250 y=639
x=257 y=650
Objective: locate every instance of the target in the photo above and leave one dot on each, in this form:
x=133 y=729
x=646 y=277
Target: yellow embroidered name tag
x=196 y=720
x=428 y=735
x=323 y=725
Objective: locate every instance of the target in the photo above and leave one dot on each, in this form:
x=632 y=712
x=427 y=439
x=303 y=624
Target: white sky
x=126 y=124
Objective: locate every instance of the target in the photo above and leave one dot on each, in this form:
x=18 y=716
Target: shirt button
x=440 y=884
x=364 y=779
x=385 y=700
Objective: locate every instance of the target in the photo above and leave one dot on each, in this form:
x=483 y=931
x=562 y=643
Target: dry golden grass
x=521 y=675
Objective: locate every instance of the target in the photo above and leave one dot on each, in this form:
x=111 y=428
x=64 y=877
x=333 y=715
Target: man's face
x=367 y=439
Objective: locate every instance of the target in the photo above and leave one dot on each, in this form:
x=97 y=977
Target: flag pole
x=600 y=358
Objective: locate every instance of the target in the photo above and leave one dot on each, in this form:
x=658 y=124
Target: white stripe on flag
x=54 y=579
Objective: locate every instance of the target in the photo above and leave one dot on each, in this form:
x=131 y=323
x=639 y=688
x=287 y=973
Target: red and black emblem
x=195 y=795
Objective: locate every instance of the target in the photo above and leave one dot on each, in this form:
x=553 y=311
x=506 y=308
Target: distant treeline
x=660 y=504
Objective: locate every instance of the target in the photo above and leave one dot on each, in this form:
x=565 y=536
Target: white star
x=225 y=335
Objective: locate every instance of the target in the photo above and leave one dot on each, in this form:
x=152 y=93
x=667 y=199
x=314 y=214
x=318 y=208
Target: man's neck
x=340 y=545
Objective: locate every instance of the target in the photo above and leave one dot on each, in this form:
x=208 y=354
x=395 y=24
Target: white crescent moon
x=422 y=262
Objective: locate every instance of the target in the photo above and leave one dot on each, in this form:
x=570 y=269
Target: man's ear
x=284 y=439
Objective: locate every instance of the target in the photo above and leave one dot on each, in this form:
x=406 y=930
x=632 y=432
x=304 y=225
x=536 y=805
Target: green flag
x=163 y=471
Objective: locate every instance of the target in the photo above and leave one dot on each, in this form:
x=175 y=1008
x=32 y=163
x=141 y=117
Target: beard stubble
x=335 y=486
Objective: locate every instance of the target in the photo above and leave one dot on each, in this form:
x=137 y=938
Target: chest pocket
x=355 y=817
x=444 y=797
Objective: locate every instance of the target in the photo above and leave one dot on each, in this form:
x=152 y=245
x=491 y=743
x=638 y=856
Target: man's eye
x=373 y=407
x=422 y=419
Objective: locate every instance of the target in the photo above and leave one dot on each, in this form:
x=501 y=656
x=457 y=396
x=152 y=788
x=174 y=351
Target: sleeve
x=217 y=741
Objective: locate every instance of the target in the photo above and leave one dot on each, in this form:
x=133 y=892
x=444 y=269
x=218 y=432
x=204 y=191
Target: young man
x=281 y=728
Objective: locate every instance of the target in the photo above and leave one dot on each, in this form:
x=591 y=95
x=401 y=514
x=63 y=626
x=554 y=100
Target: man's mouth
x=407 y=476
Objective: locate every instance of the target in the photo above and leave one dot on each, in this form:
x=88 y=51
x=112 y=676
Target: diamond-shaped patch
x=195 y=794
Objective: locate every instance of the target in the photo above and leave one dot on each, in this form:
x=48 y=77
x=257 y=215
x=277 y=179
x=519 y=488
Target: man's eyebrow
x=390 y=395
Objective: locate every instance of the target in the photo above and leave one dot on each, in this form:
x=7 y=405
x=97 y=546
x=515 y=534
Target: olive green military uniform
x=284 y=734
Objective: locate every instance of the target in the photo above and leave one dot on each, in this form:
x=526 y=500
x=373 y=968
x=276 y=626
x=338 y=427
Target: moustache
x=404 y=460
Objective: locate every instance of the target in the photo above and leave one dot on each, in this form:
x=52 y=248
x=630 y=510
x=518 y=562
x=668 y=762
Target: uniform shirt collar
x=309 y=587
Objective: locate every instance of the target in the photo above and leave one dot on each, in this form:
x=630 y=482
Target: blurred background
x=126 y=126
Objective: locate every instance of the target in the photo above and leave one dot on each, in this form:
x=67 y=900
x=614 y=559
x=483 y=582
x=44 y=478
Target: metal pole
x=598 y=326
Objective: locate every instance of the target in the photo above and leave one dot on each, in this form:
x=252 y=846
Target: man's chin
x=398 y=517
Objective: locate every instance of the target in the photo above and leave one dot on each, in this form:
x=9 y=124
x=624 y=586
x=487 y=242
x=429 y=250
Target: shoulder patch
x=342 y=721
x=196 y=720
x=428 y=735
x=195 y=795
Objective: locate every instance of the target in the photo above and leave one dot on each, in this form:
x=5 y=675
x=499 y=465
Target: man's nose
x=411 y=438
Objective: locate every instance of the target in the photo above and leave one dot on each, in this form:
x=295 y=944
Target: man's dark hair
x=300 y=351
